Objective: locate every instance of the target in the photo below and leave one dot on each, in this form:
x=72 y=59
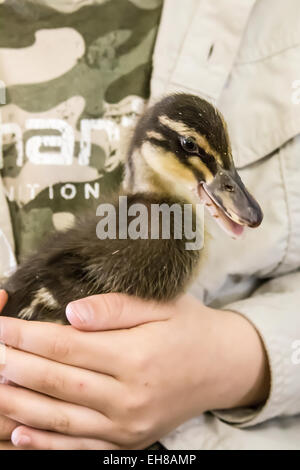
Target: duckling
x=179 y=154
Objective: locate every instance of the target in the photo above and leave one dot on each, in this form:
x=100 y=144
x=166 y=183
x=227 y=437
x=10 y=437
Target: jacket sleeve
x=274 y=310
x=196 y=45
x=7 y=245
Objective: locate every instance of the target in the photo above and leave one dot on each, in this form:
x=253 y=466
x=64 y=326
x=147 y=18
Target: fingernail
x=20 y=441
x=80 y=310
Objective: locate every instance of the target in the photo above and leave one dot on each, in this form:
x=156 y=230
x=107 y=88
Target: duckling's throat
x=140 y=177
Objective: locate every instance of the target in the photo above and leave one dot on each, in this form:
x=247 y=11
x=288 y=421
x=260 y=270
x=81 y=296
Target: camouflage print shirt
x=74 y=76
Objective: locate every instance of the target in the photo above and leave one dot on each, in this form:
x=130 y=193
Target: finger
x=57 y=380
x=6 y=427
x=27 y=438
x=90 y=350
x=45 y=413
x=3 y=298
x=113 y=312
x=5 y=381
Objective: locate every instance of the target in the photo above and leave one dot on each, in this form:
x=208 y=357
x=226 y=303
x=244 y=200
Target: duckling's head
x=181 y=147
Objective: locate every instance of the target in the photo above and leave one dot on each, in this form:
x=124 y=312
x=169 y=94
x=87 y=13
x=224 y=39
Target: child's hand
x=137 y=371
x=6 y=425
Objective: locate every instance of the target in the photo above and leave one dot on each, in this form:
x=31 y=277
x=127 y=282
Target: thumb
x=114 y=311
x=3 y=298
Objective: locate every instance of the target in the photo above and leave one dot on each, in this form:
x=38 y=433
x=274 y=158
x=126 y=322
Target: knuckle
x=136 y=403
x=60 y=423
x=60 y=348
x=140 y=360
x=143 y=369
x=52 y=383
x=113 y=306
x=136 y=431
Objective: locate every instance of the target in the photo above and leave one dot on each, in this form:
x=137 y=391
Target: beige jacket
x=245 y=56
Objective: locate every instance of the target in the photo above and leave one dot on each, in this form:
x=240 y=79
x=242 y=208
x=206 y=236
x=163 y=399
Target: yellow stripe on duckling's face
x=166 y=164
x=168 y=175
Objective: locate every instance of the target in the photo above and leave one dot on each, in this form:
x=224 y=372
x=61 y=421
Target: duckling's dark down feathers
x=74 y=264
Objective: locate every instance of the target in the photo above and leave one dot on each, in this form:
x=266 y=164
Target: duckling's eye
x=188 y=144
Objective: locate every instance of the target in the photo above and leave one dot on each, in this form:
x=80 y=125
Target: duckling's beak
x=230 y=202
